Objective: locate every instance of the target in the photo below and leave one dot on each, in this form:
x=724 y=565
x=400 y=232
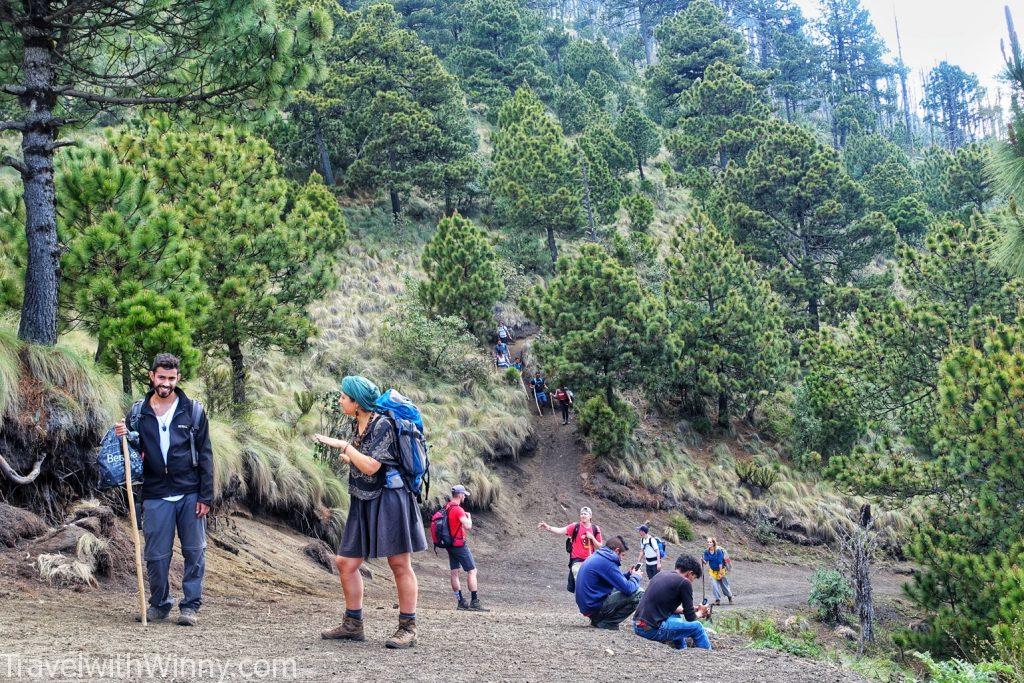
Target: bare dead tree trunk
x=585 y=177
x=858 y=554
x=20 y=479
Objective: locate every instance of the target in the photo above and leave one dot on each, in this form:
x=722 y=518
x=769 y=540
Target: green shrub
x=958 y=671
x=415 y=345
x=640 y=210
x=831 y=594
x=777 y=417
x=608 y=428
x=756 y=476
x=512 y=376
x=681 y=525
x=766 y=634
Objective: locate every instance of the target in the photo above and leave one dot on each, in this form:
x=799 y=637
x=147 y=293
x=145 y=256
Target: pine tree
x=806 y=214
x=640 y=210
x=581 y=57
x=718 y=106
x=930 y=172
x=726 y=321
x=639 y=132
x=574 y=107
x=601 y=330
x=690 y=42
x=951 y=101
x=644 y=16
x=498 y=51
x=535 y=175
x=91 y=55
x=462 y=276
x=967 y=183
x=268 y=247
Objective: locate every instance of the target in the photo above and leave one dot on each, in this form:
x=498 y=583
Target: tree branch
x=8 y=160
x=17 y=478
x=12 y=125
x=65 y=91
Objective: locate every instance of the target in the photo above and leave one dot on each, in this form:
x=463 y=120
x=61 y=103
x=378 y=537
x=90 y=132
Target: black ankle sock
x=474 y=595
x=354 y=613
x=403 y=615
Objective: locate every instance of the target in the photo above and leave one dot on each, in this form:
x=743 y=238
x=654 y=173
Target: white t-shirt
x=650 y=548
x=164 y=423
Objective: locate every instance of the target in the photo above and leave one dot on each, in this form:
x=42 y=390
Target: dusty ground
x=269 y=602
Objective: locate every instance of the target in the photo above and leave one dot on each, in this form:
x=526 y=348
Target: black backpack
x=197 y=413
x=576 y=532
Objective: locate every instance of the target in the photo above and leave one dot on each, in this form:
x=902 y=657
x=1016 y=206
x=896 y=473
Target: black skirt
x=387 y=525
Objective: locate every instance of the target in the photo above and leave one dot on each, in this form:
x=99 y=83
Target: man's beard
x=163 y=392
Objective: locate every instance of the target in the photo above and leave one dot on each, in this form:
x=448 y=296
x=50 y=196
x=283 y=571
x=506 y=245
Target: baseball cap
x=586 y=511
x=459 y=488
x=643 y=528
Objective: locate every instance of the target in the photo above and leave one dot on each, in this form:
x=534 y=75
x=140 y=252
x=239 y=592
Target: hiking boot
x=462 y=604
x=187 y=617
x=350 y=629
x=153 y=614
x=405 y=636
x=717 y=603
x=730 y=599
x=477 y=607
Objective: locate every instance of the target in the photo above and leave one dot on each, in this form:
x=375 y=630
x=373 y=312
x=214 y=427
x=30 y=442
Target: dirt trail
x=269 y=602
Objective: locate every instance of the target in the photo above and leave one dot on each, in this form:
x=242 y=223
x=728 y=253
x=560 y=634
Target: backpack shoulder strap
x=133 y=415
x=197 y=413
x=575 y=531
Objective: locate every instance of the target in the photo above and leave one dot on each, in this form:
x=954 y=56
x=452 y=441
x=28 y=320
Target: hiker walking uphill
x=172 y=432
x=719 y=564
x=666 y=613
x=448 y=529
x=583 y=538
x=605 y=594
x=652 y=549
x=565 y=401
x=383 y=517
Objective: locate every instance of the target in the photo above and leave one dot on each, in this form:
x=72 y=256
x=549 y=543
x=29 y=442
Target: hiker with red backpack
x=582 y=539
x=565 y=400
x=388 y=470
x=448 y=528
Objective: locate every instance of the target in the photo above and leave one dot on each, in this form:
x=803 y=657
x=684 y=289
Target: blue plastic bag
x=110 y=462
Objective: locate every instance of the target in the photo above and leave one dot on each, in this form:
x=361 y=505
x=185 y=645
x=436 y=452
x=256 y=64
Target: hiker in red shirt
x=459 y=555
x=583 y=538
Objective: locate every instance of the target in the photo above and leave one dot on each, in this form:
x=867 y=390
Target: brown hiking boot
x=350 y=629
x=405 y=636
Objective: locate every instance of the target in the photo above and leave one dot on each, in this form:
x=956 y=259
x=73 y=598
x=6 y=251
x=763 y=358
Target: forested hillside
x=781 y=269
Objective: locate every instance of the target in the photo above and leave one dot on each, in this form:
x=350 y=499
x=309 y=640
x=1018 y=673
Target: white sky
x=963 y=32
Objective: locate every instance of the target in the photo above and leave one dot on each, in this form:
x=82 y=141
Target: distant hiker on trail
x=459 y=522
x=583 y=538
x=719 y=564
x=518 y=363
x=603 y=592
x=666 y=613
x=650 y=551
x=540 y=389
x=565 y=399
x=173 y=434
x=383 y=517
x=503 y=334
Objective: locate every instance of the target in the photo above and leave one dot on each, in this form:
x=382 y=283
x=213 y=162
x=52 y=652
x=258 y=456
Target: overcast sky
x=963 y=32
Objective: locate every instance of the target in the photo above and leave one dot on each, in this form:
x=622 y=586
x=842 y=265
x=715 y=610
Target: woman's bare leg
x=405 y=581
x=352 y=580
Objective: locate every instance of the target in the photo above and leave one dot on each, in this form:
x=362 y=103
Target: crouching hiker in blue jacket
x=603 y=592
x=666 y=613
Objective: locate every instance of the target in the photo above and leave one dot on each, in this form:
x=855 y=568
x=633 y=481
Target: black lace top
x=377 y=442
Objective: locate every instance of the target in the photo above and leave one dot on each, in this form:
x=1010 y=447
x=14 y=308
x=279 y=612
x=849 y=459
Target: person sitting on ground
x=666 y=613
x=719 y=564
x=459 y=555
x=564 y=397
x=383 y=517
x=603 y=593
x=650 y=553
x=503 y=334
x=583 y=539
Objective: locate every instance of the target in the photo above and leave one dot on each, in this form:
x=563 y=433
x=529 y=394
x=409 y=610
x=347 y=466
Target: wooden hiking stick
x=537 y=402
x=135 y=527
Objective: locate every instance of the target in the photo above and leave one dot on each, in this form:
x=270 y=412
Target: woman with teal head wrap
x=383 y=519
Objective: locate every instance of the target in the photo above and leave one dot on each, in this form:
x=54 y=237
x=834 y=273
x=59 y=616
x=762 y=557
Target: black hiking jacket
x=176 y=476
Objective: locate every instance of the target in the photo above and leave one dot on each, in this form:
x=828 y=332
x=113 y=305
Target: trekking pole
x=135 y=527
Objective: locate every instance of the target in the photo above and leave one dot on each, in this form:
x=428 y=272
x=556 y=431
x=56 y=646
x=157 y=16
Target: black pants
x=564 y=405
x=652 y=569
x=615 y=609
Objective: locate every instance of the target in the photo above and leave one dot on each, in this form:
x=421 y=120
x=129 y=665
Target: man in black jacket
x=172 y=432
x=666 y=613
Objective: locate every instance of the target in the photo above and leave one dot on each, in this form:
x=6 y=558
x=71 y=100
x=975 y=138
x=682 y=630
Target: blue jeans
x=676 y=630
x=160 y=519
